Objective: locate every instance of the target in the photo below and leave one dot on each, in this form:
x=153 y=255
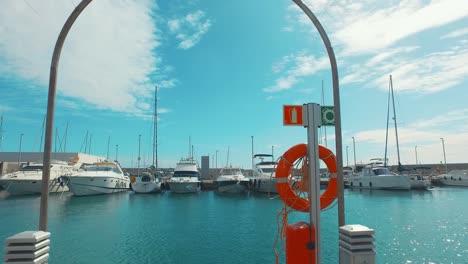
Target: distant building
x=205 y=167
x=10 y=161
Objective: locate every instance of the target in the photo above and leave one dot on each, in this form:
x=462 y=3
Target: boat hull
x=394 y=182
x=29 y=187
x=264 y=185
x=232 y=186
x=146 y=187
x=454 y=181
x=184 y=186
x=83 y=186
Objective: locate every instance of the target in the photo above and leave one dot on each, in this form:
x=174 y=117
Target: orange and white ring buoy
x=283 y=170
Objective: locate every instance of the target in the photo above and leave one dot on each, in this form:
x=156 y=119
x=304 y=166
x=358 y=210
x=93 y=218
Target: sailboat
x=376 y=174
x=146 y=181
x=416 y=181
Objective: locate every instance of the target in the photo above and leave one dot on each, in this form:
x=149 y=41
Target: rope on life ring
x=283 y=171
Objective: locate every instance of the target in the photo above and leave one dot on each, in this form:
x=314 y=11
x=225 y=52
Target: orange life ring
x=283 y=170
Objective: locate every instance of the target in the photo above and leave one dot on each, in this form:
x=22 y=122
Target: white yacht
x=263 y=179
x=379 y=177
x=28 y=180
x=146 y=182
x=454 y=178
x=231 y=180
x=97 y=178
x=186 y=178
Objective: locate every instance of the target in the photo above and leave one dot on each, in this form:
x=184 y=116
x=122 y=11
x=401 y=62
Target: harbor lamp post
x=445 y=158
x=337 y=107
x=19 y=152
x=50 y=111
x=354 y=150
x=347 y=161
x=416 y=153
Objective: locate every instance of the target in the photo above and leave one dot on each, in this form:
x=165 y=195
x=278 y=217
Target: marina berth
x=232 y=180
x=97 y=178
x=28 y=180
x=186 y=178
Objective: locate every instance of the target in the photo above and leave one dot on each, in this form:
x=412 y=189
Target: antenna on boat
x=227 y=160
x=139 y=158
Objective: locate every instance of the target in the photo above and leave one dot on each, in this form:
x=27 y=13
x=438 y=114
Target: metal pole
x=347 y=161
x=216 y=159
x=395 y=122
x=155 y=128
x=445 y=158
x=19 y=152
x=416 y=153
x=354 y=150
x=117 y=152
x=336 y=102
x=273 y=152
x=313 y=122
x=50 y=111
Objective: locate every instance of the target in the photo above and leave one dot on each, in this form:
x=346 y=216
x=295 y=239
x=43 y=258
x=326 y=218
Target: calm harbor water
x=410 y=227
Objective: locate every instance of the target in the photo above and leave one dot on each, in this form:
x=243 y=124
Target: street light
x=216 y=159
x=252 y=154
x=19 y=152
x=445 y=158
x=354 y=150
x=347 y=161
x=50 y=112
x=416 y=153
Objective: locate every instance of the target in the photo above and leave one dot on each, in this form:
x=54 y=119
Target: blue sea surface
x=410 y=227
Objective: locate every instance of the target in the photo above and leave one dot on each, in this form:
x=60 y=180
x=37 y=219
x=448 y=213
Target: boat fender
x=370 y=184
x=283 y=170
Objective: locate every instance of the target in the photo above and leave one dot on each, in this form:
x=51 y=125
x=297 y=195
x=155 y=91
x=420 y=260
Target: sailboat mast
x=227 y=160
x=1 y=132
x=155 y=128
x=388 y=121
x=395 y=121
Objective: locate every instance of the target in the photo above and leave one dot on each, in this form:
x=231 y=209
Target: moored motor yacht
x=186 y=178
x=454 y=178
x=97 y=178
x=379 y=177
x=263 y=179
x=28 y=180
x=231 y=180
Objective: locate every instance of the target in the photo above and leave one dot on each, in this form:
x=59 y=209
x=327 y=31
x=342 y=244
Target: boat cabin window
x=268 y=170
x=381 y=171
x=186 y=174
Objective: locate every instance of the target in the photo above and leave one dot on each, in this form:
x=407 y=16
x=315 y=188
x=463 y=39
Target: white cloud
x=107 y=56
x=456 y=33
x=294 y=68
x=189 y=29
x=168 y=83
x=426 y=135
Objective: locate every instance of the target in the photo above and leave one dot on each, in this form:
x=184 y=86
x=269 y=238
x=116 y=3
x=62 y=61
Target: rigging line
x=32 y=8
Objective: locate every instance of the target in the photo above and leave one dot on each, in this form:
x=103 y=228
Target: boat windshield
x=268 y=170
x=101 y=168
x=381 y=171
x=186 y=174
x=231 y=171
x=32 y=167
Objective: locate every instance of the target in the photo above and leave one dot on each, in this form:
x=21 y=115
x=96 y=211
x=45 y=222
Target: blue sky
x=225 y=69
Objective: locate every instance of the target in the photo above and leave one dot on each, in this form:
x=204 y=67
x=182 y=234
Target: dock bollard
x=356 y=245
x=27 y=247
